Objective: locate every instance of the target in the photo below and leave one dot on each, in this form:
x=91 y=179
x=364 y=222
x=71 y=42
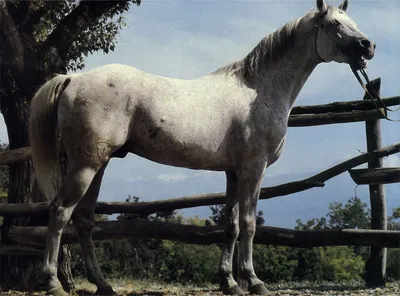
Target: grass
x=127 y=287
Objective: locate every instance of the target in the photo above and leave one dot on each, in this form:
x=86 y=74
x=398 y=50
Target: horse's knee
x=60 y=215
x=248 y=225
x=232 y=230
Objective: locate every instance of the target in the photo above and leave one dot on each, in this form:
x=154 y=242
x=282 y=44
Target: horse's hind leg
x=83 y=218
x=72 y=190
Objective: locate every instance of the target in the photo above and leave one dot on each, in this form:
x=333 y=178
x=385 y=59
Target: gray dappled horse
x=232 y=120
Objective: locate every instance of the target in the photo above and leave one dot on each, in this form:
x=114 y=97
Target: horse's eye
x=336 y=23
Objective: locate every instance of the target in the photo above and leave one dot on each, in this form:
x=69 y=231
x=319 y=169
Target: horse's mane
x=267 y=50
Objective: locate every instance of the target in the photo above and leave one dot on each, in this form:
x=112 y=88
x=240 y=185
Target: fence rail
x=375 y=176
x=206 y=235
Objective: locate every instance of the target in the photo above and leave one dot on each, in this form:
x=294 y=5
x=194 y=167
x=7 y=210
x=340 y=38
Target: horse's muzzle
x=359 y=52
x=367 y=47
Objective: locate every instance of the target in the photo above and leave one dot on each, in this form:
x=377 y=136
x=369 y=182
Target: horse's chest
x=272 y=135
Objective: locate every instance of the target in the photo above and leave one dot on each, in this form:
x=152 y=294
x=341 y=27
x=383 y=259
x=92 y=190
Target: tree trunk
x=14 y=269
x=21 y=272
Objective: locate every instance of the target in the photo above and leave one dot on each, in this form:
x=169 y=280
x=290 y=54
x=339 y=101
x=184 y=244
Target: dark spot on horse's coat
x=154 y=133
x=162 y=120
x=110 y=84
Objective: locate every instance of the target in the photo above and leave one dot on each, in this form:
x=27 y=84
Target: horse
x=233 y=120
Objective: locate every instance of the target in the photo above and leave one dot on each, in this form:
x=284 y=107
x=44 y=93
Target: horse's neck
x=283 y=78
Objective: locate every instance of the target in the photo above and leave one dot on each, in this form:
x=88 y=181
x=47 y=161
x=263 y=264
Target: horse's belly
x=182 y=148
x=193 y=155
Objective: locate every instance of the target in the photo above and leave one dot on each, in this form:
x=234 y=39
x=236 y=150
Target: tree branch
x=12 y=49
x=73 y=24
x=16 y=155
x=34 y=17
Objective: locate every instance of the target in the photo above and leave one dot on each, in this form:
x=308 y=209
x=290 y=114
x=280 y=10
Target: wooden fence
x=30 y=240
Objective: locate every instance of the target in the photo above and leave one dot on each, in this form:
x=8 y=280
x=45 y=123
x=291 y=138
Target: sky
x=189 y=39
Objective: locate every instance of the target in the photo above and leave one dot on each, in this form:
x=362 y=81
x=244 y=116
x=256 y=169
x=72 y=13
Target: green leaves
x=354 y=214
x=100 y=35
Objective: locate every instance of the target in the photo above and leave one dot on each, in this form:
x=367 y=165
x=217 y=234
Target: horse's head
x=338 y=38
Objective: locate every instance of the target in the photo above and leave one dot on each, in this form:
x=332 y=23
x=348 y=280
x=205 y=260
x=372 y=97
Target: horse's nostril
x=365 y=43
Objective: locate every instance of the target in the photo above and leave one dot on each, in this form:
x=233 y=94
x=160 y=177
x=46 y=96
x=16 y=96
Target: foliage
x=353 y=215
x=313 y=224
x=394 y=220
x=274 y=263
x=396 y=213
x=99 y=34
x=308 y=267
x=341 y=264
x=393 y=264
x=334 y=263
x=190 y=263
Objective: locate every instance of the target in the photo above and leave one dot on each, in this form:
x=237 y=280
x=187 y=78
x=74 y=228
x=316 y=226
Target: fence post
x=375 y=267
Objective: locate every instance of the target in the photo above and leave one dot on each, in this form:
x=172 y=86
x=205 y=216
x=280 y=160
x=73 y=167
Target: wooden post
x=375 y=267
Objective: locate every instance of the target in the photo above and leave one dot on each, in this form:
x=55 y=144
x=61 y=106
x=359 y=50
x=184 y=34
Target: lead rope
x=364 y=73
x=377 y=97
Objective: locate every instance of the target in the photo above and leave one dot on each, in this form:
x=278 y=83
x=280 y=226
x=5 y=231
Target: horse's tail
x=43 y=135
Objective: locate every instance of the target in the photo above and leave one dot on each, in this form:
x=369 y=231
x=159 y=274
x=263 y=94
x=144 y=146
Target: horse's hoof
x=258 y=289
x=234 y=290
x=104 y=291
x=57 y=292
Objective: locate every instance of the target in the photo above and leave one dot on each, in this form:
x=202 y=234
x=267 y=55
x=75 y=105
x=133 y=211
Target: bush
x=341 y=264
x=190 y=263
x=273 y=263
x=393 y=265
x=308 y=267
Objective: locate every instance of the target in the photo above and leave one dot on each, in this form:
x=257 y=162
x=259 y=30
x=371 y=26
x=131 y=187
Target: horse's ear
x=344 y=5
x=321 y=5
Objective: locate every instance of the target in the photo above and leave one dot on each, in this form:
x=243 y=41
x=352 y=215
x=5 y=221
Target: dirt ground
x=144 y=288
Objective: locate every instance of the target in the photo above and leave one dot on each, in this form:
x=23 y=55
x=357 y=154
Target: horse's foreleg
x=73 y=188
x=227 y=284
x=249 y=193
x=83 y=218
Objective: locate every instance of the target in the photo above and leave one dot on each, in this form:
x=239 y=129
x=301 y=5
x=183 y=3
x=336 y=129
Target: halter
x=376 y=96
